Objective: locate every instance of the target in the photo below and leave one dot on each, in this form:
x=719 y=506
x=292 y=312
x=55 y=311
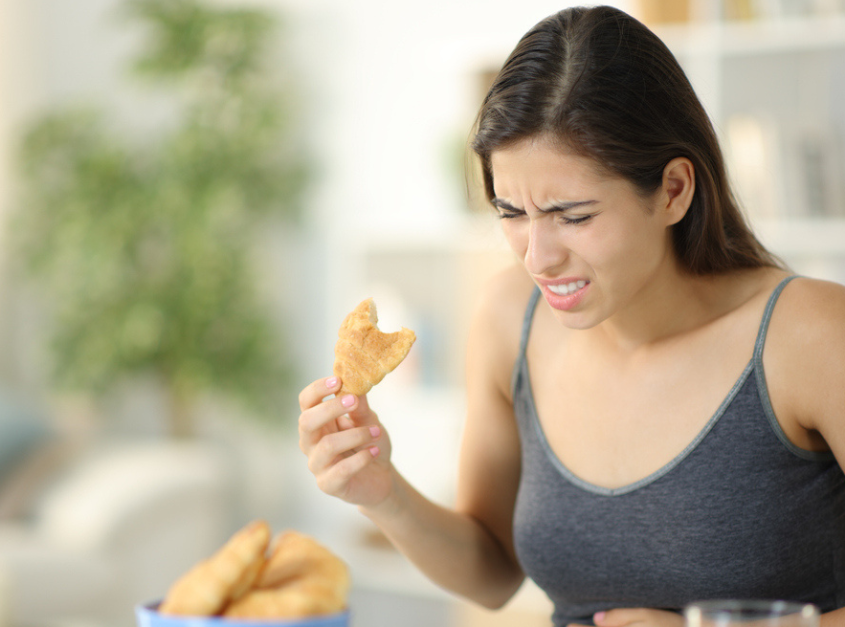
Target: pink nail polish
x=374 y=451
x=375 y=431
x=347 y=400
x=331 y=382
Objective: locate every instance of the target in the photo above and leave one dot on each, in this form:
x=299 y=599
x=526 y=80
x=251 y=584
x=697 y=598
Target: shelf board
x=756 y=37
x=804 y=237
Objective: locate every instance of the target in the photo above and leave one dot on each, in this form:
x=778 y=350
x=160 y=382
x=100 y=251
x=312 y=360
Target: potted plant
x=143 y=248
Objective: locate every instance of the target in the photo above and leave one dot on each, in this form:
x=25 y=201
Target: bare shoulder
x=497 y=321
x=502 y=303
x=810 y=310
x=805 y=351
x=505 y=295
x=808 y=325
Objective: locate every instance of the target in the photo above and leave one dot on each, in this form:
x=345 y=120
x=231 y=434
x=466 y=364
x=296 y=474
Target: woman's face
x=592 y=244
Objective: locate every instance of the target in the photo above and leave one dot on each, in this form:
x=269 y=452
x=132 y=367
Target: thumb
x=616 y=618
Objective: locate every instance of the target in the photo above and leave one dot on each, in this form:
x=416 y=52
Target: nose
x=545 y=251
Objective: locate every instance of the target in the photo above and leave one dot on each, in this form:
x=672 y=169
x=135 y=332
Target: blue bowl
x=148 y=616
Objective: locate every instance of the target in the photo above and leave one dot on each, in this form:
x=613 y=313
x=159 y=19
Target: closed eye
x=507 y=211
x=575 y=220
x=507 y=215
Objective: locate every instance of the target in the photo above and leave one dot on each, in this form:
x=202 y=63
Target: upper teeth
x=567 y=288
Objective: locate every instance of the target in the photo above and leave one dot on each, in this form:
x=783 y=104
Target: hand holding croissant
x=347 y=447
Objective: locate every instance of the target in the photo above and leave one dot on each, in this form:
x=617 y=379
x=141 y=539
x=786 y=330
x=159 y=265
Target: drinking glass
x=753 y=613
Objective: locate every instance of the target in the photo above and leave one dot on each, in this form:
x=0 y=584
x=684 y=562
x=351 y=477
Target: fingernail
x=331 y=382
x=598 y=617
x=347 y=400
x=374 y=451
x=375 y=431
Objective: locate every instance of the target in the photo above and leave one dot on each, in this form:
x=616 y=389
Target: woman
x=655 y=405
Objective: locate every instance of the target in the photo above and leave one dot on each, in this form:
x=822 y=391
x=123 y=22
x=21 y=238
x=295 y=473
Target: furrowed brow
x=556 y=208
x=503 y=204
x=566 y=206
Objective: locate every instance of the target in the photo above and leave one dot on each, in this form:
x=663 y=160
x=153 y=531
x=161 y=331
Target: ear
x=677 y=190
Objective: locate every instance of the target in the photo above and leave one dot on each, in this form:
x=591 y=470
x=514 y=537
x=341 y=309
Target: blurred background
x=193 y=193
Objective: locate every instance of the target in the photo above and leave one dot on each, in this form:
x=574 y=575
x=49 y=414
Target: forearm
x=452 y=549
x=835 y=618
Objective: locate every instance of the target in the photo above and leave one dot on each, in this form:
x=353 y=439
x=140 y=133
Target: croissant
x=295 y=555
x=298 y=599
x=363 y=354
x=207 y=587
x=300 y=578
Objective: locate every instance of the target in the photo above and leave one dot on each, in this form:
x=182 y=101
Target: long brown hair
x=601 y=84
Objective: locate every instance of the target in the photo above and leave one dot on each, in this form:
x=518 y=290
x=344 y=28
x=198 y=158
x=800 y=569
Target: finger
x=345 y=422
x=339 y=445
x=336 y=478
x=640 y=616
x=312 y=422
x=618 y=617
x=327 y=411
x=358 y=410
x=361 y=413
x=314 y=393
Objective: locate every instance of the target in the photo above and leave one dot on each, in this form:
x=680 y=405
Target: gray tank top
x=740 y=513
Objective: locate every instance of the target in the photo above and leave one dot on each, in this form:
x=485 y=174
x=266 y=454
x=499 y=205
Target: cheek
x=630 y=248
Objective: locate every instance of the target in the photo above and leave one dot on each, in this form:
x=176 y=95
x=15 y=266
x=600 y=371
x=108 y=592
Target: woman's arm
x=805 y=370
x=804 y=361
x=835 y=618
x=467 y=550
x=470 y=550
x=819 y=389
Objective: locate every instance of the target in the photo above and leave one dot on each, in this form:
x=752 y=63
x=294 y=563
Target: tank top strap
x=758 y=345
x=527 y=319
x=767 y=317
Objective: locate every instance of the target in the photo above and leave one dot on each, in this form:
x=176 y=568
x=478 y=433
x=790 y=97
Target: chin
x=576 y=321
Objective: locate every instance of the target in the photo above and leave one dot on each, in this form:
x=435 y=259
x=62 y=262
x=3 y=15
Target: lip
x=563 y=303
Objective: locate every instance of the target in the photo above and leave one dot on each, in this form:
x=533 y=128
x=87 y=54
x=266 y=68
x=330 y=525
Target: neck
x=671 y=304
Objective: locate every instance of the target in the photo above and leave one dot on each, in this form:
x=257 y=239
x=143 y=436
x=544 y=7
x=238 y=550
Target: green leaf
x=143 y=248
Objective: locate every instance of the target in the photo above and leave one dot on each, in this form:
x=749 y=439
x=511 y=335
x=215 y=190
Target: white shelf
x=749 y=38
x=785 y=72
x=817 y=237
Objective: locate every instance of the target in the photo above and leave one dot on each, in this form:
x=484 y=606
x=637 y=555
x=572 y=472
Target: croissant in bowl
x=301 y=578
x=295 y=577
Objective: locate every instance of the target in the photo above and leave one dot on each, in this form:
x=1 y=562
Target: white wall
x=389 y=86
x=395 y=84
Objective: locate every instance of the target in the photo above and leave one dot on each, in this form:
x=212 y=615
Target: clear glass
x=731 y=613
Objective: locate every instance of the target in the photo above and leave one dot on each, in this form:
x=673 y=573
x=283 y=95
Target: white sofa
x=114 y=531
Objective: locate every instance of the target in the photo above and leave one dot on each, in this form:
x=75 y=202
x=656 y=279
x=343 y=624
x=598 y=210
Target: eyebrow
x=556 y=208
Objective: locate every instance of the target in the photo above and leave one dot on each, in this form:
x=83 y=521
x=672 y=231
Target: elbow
x=499 y=596
x=494 y=604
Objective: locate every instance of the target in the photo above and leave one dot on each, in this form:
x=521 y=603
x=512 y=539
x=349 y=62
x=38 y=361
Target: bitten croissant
x=363 y=354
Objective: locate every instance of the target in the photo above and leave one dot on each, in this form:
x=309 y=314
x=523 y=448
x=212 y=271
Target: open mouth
x=565 y=289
